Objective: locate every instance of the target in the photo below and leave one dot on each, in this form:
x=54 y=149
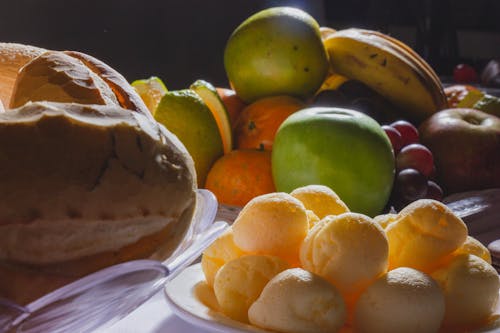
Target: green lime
x=187 y=116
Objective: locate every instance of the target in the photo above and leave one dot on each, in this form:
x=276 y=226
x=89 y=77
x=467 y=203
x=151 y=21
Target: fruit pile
x=415 y=169
x=306 y=105
x=302 y=262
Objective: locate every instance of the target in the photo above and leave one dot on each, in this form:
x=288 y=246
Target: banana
x=410 y=54
x=388 y=68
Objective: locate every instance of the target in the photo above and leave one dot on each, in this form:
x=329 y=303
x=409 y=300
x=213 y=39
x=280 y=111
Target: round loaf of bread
x=84 y=187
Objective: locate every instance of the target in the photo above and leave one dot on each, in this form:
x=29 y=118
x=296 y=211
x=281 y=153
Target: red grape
x=464 y=73
x=409 y=133
x=394 y=137
x=410 y=185
x=416 y=156
x=434 y=191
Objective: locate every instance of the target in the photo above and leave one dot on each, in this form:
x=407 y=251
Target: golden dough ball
x=240 y=281
x=349 y=250
x=272 y=224
x=424 y=232
x=470 y=286
x=475 y=247
x=217 y=254
x=403 y=300
x=385 y=219
x=322 y=200
x=312 y=218
x=298 y=301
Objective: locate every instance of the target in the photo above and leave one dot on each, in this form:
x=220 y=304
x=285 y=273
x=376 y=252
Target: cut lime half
x=209 y=95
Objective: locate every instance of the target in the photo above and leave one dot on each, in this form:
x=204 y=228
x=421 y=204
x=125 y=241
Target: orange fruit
x=241 y=175
x=258 y=123
x=234 y=104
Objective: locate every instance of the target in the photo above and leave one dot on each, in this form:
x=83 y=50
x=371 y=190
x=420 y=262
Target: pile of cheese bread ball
x=302 y=262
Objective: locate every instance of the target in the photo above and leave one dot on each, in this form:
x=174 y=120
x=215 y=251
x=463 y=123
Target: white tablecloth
x=154 y=316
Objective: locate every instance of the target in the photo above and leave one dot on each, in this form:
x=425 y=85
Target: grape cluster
x=415 y=170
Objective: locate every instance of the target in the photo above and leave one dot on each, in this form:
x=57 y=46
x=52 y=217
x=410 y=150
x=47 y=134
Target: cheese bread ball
x=240 y=281
x=475 y=247
x=272 y=224
x=403 y=300
x=424 y=232
x=321 y=200
x=470 y=286
x=218 y=253
x=349 y=250
x=298 y=301
x=312 y=218
x=385 y=219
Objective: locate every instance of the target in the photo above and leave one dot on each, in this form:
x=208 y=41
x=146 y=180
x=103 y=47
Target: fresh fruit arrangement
x=329 y=105
x=314 y=266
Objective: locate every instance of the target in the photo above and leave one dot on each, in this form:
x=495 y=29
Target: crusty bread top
x=89 y=165
x=12 y=57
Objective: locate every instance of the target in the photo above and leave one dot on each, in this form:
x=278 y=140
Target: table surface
x=154 y=316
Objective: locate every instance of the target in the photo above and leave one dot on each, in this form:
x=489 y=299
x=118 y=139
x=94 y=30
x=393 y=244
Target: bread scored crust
x=13 y=57
x=85 y=187
x=73 y=77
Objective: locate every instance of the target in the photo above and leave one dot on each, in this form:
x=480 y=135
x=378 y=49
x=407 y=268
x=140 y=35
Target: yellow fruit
x=272 y=224
x=321 y=200
x=277 y=51
x=151 y=91
x=186 y=115
x=389 y=67
x=239 y=282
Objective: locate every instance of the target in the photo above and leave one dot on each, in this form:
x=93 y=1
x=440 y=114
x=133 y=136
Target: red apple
x=466 y=148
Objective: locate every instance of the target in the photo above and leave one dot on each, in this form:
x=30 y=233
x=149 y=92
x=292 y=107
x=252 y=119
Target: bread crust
x=113 y=184
x=13 y=56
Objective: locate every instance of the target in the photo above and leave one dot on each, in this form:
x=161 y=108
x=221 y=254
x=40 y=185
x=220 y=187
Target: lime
x=277 y=51
x=209 y=95
x=151 y=91
x=187 y=116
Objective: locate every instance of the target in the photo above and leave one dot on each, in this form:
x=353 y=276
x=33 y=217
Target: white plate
x=184 y=294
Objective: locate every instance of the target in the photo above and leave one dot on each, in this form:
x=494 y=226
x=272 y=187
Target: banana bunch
x=389 y=67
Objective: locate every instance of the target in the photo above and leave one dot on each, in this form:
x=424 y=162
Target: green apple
x=343 y=149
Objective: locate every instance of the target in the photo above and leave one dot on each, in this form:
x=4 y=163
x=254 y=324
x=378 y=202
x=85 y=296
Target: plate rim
x=187 y=279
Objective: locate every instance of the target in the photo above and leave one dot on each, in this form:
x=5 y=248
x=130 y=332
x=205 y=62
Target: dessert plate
x=193 y=300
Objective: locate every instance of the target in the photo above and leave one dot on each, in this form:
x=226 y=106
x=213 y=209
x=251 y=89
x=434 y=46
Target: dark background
x=181 y=41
